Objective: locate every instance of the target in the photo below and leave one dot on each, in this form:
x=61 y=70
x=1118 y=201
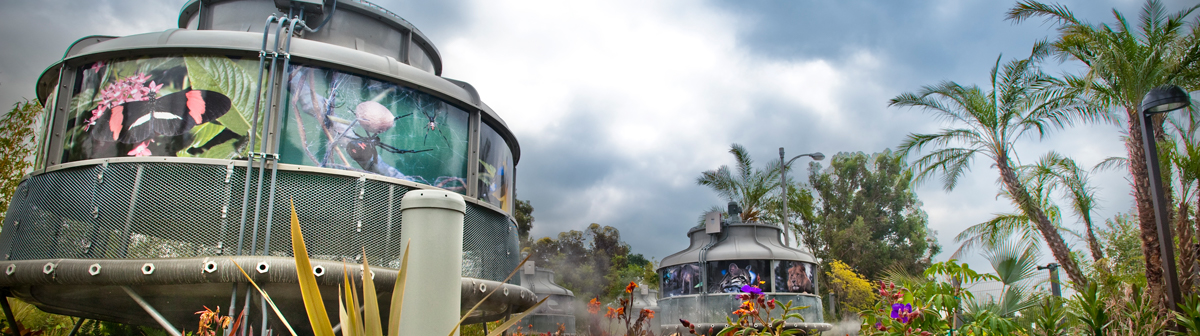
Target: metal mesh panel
x=490 y=248
x=175 y=210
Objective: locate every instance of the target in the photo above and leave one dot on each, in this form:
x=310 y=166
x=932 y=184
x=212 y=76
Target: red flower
x=630 y=287
x=648 y=313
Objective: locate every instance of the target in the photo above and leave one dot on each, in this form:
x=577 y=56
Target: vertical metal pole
x=1054 y=283
x=8 y=313
x=1165 y=241
x=78 y=324
x=783 y=184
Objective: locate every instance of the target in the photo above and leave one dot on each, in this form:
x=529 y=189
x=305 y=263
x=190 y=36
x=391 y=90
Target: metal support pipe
x=433 y=220
x=8 y=313
x=162 y=321
x=78 y=324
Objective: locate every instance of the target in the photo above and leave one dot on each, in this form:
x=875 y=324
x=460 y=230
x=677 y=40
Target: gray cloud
x=619 y=105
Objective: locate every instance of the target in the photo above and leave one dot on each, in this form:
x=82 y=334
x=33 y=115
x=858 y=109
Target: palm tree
x=1015 y=263
x=1055 y=170
x=1122 y=65
x=751 y=188
x=995 y=232
x=1023 y=101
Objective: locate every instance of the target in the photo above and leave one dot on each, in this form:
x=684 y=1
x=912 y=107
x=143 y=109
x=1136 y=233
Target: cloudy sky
x=619 y=105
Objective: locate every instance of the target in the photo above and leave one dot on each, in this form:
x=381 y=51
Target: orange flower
x=621 y=311
x=612 y=313
x=649 y=314
x=593 y=306
x=632 y=285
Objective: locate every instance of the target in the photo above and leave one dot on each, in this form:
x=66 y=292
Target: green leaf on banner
x=203 y=133
x=221 y=74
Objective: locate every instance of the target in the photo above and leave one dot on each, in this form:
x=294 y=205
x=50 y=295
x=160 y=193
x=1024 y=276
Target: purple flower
x=752 y=290
x=900 y=311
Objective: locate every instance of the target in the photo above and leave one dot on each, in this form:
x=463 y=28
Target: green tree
x=1123 y=63
x=18 y=140
x=524 y=216
x=1055 y=170
x=750 y=187
x=1023 y=101
x=1122 y=250
x=1015 y=263
x=868 y=214
x=591 y=263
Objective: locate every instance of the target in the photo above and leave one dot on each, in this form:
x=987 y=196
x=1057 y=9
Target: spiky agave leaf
x=489 y=294
x=504 y=327
x=267 y=297
x=371 y=323
x=398 y=294
x=317 y=317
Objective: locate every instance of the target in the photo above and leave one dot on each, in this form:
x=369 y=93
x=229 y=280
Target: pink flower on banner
x=128 y=89
x=142 y=149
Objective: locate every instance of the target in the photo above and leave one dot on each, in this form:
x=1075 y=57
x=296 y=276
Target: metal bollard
x=433 y=224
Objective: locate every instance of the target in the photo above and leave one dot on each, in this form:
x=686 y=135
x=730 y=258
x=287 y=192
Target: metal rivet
x=263 y=267
x=482 y=288
x=48 y=268
x=94 y=269
x=148 y=269
x=210 y=267
x=505 y=291
x=10 y=269
x=318 y=270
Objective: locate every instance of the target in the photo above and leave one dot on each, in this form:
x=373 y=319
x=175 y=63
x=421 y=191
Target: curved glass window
x=495 y=169
x=728 y=276
x=345 y=121
x=795 y=277
x=185 y=105
x=680 y=280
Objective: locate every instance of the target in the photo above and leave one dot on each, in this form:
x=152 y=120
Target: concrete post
x=433 y=223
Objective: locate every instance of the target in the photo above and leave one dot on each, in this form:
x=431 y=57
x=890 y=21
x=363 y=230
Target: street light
x=783 y=183
x=1162 y=99
x=1054 y=287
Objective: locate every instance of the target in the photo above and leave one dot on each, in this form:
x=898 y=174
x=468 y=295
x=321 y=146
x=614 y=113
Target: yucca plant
x=369 y=323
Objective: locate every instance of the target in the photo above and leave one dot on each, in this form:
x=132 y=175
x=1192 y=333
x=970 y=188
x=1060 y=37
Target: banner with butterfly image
x=346 y=121
x=185 y=106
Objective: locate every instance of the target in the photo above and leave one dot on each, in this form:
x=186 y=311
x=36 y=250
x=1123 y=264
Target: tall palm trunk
x=1187 y=250
x=1058 y=247
x=1145 y=204
x=1093 y=243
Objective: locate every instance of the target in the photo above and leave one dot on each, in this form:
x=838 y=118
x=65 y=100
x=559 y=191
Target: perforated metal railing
x=177 y=210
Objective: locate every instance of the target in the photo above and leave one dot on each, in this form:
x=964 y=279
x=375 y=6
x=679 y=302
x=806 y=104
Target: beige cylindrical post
x=432 y=221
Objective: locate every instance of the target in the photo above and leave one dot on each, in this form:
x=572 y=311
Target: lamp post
x=783 y=183
x=1162 y=99
x=1054 y=287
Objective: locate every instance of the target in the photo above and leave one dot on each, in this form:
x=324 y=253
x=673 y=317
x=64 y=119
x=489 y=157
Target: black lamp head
x=1165 y=98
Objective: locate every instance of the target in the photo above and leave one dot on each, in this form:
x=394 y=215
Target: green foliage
x=930 y=307
x=1123 y=262
x=1088 y=307
x=594 y=263
x=868 y=214
x=1050 y=318
x=524 y=216
x=18 y=140
x=1188 y=315
x=854 y=293
x=749 y=187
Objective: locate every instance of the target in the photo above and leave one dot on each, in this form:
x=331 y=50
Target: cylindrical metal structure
x=736 y=255
x=559 y=309
x=171 y=146
x=433 y=238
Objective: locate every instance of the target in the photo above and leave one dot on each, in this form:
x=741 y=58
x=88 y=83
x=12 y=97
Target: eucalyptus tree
x=1022 y=101
x=1123 y=63
x=751 y=188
